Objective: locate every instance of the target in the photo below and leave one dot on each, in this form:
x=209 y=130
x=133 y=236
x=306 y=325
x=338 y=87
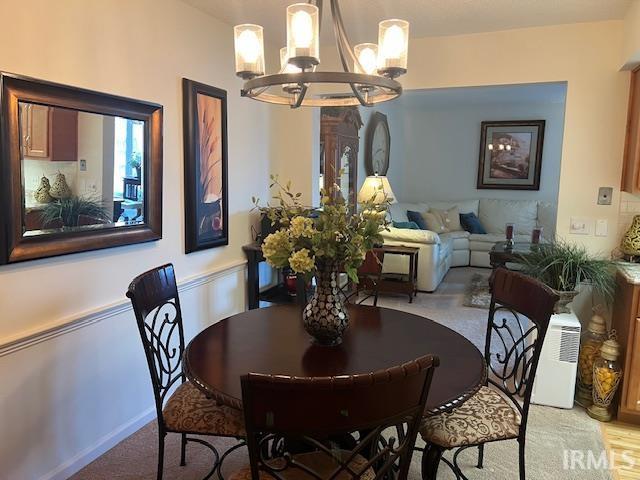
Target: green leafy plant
x=329 y=237
x=68 y=211
x=135 y=160
x=563 y=266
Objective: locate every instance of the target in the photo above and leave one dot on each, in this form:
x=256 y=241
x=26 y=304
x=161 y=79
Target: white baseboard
x=110 y=440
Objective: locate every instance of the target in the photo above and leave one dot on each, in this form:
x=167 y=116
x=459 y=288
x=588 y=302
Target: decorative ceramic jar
x=607 y=373
x=60 y=189
x=325 y=317
x=41 y=195
x=631 y=240
x=590 y=342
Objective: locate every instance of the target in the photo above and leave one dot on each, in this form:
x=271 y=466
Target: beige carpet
x=550 y=433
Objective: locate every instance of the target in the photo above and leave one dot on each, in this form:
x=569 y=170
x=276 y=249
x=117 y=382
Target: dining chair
x=180 y=406
x=301 y=428
x=519 y=315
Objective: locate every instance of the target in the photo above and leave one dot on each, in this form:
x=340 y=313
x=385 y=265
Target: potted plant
x=322 y=243
x=563 y=266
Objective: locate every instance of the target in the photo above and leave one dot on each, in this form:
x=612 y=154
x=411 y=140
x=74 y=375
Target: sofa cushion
x=471 y=223
x=406 y=225
x=417 y=217
x=464 y=206
x=484 y=243
x=398 y=211
x=450 y=217
x=494 y=214
x=547 y=219
x=434 y=222
x=459 y=239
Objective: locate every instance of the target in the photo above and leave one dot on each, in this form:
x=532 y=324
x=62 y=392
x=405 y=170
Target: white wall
x=435 y=138
x=61 y=398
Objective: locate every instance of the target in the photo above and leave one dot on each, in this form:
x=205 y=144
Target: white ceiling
x=427 y=17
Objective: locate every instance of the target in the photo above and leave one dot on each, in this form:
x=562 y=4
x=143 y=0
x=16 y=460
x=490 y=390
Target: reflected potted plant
x=563 y=266
x=134 y=162
x=322 y=243
x=74 y=212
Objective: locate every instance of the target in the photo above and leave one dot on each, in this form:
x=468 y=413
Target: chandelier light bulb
x=393 y=41
x=303 y=34
x=301 y=26
x=248 y=46
x=249 y=50
x=367 y=55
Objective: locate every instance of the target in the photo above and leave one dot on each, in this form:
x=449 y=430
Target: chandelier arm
x=343 y=39
x=300 y=97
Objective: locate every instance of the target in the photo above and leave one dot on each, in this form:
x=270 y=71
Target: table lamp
x=376 y=188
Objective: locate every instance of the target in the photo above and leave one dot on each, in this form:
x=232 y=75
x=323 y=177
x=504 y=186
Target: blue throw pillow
x=471 y=223
x=416 y=217
x=406 y=225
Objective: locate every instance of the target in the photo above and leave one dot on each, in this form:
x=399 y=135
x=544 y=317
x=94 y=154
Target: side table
x=401 y=283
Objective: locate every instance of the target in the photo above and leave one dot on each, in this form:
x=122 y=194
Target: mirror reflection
x=80 y=170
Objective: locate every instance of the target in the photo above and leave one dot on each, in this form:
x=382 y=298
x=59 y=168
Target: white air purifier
x=557 y=368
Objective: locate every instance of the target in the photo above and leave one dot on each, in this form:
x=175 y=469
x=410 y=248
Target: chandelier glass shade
x=369 y=70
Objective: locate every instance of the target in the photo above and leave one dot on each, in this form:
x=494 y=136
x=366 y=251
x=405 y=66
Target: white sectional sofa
x=439 y=252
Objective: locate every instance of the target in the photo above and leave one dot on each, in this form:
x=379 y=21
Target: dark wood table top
x=273 y=341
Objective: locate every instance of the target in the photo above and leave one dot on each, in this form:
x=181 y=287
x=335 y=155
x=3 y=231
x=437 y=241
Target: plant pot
x=566 y=297
x=325 y=317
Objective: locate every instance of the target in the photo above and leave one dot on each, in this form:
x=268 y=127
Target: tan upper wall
x=630 y=57
x=139 y=49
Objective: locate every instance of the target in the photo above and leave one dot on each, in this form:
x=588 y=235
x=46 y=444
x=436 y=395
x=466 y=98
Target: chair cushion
x=189 y=410
x=320 y=462
x=485 y=417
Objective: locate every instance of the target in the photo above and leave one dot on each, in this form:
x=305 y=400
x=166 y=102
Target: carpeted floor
x=551 y=432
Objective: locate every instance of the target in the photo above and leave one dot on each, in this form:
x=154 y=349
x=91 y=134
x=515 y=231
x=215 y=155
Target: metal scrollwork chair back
x=180 y=406
x=154 y=296
x=519 y=315
x=336 y=421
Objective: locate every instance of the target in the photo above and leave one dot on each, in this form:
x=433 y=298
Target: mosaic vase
x=631 y=239
x=325 y=317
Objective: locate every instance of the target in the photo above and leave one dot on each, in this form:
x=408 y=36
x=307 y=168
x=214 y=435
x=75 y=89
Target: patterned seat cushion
x=188 y=410
x=319 y=462
x=485 y=417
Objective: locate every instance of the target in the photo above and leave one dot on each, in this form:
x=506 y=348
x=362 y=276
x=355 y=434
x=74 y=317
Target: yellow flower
x=276 y=248
x=301 y=227
x=301 y=262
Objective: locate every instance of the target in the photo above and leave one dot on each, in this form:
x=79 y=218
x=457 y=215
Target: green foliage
x=329 y=237
x=563 y=266
x=68 y=211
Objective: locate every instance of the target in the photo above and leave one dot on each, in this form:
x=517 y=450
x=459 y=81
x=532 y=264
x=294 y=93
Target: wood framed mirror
x=81 y=170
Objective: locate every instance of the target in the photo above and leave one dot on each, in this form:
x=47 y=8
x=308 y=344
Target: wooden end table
x=401 y=283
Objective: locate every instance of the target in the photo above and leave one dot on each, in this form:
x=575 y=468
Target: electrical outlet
x=604 y=195
x=83 y=165
x=581 y=226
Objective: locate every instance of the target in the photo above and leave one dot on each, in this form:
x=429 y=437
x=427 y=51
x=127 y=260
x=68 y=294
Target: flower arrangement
x=331 y=237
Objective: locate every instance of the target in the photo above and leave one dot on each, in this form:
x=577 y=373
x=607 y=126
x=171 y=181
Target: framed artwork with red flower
x=205 y=164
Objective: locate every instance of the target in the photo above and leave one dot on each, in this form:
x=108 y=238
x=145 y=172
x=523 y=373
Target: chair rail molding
x=74 y=322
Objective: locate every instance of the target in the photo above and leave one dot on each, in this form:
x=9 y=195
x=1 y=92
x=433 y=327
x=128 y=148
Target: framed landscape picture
x=205 y=163
x=511 y=155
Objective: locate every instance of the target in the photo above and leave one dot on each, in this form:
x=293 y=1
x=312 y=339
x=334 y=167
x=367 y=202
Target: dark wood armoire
x=339 y=143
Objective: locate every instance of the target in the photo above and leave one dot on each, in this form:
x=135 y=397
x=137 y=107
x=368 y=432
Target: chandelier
x=369 y=70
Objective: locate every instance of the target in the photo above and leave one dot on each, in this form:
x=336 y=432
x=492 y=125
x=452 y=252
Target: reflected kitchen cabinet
x=35 y=130
x=49 y=132
x=64 y=135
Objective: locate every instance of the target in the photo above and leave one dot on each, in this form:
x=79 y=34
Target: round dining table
x=272 y=341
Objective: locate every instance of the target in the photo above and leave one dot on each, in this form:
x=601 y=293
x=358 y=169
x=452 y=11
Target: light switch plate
x=604 y=195
x=581 y=226
x=602 y=228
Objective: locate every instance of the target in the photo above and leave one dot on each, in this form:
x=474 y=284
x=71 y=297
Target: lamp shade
x=376 y=188
x=249 y=50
